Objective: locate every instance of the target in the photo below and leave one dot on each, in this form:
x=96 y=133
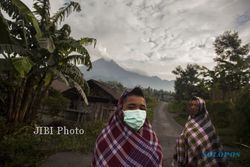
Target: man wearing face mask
x=128 y=140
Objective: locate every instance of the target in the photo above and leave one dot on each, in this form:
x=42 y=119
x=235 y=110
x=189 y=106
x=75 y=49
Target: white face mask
x=134 y=118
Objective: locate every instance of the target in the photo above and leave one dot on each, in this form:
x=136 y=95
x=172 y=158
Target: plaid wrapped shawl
x=118 y=145
x=198 y=137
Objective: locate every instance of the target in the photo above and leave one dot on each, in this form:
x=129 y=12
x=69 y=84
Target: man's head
x=193 y=107
x=134 y=100
x=196 y=106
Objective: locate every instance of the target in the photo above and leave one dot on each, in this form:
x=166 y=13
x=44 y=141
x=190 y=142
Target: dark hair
x=137 y=91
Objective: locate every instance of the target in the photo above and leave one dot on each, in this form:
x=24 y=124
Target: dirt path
x=167 y=131
x=68 y=159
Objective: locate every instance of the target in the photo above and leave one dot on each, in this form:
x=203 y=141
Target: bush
x=177 y=106
x=180 y=109
x=56 y=102
x=151 y=104
x=241 y=116
x=20 y=147
x=220 y=113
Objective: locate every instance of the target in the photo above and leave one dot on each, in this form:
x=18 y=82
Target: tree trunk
x=20 y=94
x=25 y=104
x=10 y=107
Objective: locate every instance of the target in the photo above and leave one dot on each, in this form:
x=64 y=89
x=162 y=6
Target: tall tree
x=35 y=52
x=232 y=71
x=189 y=82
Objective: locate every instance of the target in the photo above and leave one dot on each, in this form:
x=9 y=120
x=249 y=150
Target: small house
x=102 y=101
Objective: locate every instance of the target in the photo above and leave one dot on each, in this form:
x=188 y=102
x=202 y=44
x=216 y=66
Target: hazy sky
x=154 y=36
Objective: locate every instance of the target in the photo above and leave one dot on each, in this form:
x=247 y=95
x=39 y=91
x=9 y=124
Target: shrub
x=220 y=113
x=56 y=102
x=177 y=106
x=151 y=104
x=20 y=147
x=241 y=116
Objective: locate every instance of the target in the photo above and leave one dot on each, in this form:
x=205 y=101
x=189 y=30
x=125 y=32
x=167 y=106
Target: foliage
x=241 y=116
x=19 y=147
x=160 y=95
x=151 y=105
x=220 y=113
x=232 y=71
x=36 y=52
x=189 y=82
x=177 y=106
x=55 y=102
x=230 y=75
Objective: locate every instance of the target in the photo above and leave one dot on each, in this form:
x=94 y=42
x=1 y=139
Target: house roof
x=62 y=87
x=107 y=88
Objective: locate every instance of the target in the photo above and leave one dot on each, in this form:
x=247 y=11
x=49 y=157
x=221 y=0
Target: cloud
x=156 y=36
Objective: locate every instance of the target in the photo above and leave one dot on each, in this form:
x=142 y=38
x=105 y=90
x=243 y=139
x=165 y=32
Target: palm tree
x=36 y=52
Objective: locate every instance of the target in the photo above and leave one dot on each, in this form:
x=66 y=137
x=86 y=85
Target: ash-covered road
x=167 y=131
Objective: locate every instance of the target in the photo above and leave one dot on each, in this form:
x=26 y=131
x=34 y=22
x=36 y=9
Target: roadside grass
x=179 y=111
x=20 y=147
x=151 y=105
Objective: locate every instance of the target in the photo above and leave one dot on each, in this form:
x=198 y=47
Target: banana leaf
x=22 y=65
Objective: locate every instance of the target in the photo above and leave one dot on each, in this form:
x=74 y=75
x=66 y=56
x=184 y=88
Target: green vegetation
x=36 y=52
x=20 y=147
x=230 y=74
x=159 y=95
x=179 y=109
x=151 y=104
x=241 y=116
x=55 y=102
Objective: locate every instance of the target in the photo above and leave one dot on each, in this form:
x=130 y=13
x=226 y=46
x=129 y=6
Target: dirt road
x=68 y=159
x=167 y=131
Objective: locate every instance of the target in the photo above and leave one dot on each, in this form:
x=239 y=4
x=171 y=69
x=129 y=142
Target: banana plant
x=35 y=52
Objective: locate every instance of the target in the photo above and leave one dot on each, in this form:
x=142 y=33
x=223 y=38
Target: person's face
x=134 y=102
x=193 y=107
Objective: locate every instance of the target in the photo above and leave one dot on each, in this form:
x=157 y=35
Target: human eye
x=131 y=107
x=143 y=108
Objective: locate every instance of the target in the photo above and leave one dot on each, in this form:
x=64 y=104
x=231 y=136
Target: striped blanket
x=118 y=145
x=198 y=138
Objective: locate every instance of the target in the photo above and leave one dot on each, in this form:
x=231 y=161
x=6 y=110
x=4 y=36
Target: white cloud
x=159 y=34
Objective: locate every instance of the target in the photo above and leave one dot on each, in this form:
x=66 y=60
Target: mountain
x=109 y=70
